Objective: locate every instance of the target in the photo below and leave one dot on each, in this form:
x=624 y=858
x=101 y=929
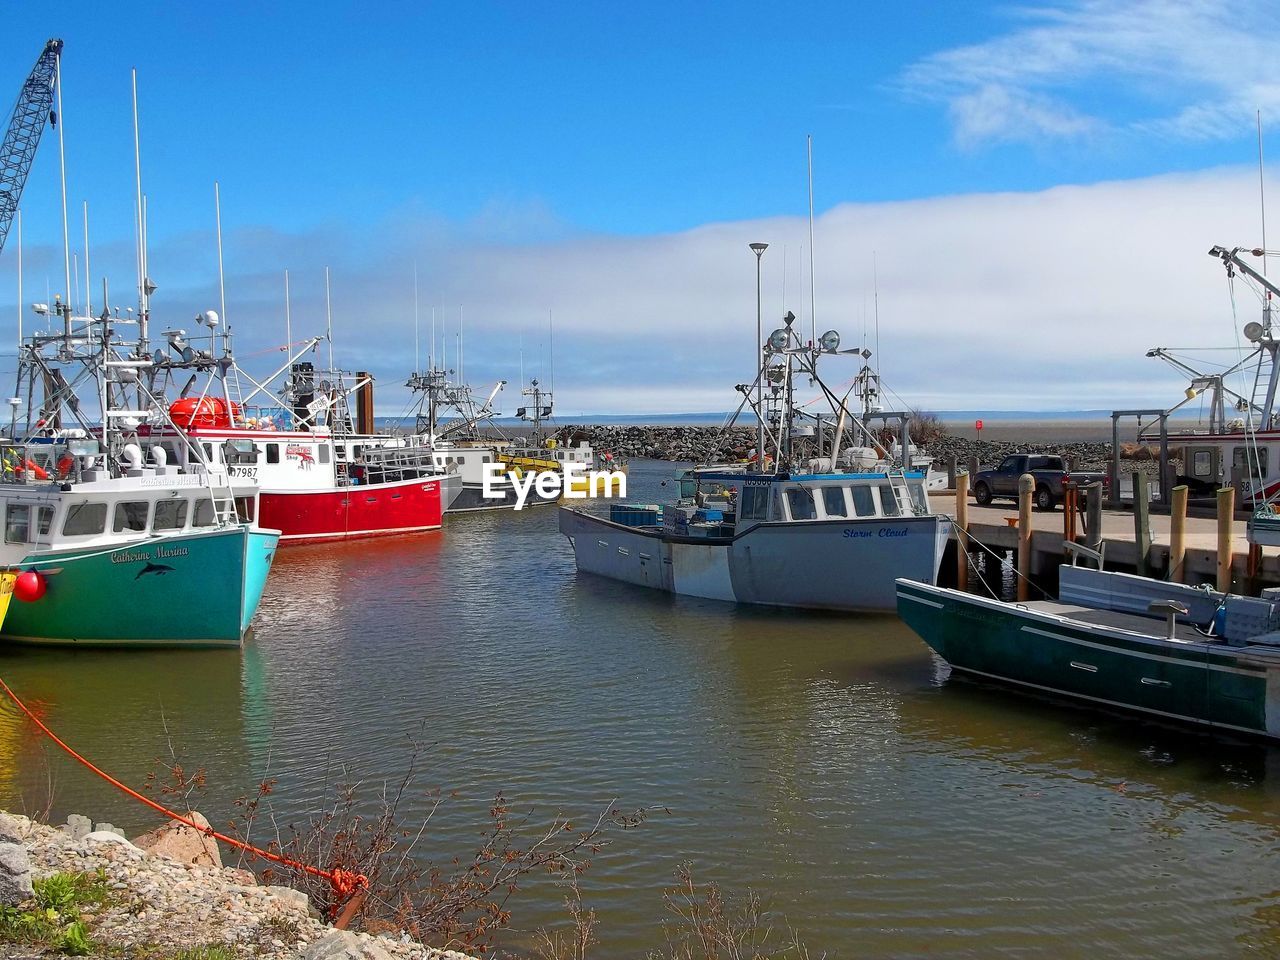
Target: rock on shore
x=161 y=902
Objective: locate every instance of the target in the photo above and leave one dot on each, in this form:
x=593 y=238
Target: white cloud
x=1182 y=69
x=1044 y=300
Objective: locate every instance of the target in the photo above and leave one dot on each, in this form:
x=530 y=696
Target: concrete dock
x=990 y=526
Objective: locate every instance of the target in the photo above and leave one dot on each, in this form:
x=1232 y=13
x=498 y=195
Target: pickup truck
x=1050 y=474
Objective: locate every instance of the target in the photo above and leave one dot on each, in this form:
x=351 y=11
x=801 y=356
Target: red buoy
x=30 y=586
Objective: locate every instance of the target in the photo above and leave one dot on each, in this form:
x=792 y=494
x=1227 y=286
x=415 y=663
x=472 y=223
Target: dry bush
x=707 y=926
x=459 y=904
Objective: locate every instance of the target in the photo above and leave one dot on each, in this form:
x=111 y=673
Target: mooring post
x=951 y=473
x=1226 y=513
x=1178 y=535
x=1026 y=486
x=973 y=467
x=962 y=531
x=1093 y=515
x=1142 y=523
x=1237 y=485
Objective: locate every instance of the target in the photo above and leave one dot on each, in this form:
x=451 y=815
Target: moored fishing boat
x=1119 y=641
x=321 y=476
x=113 y=544
x=797 y=527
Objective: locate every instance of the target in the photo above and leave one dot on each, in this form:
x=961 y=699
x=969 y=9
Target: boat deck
x=1135 y=623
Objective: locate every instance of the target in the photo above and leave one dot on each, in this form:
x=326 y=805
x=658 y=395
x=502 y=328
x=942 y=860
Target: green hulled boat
x=1119 y=641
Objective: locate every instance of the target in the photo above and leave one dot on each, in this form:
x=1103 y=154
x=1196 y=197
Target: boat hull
x=1212 y=685
x=822 y=565
x=362 y=510
x=472 y=499
x=193 y=590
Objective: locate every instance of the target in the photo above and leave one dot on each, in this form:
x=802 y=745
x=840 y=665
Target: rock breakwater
x=702 y=443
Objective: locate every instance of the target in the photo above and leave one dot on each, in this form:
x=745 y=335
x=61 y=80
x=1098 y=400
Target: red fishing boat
x=314 y=486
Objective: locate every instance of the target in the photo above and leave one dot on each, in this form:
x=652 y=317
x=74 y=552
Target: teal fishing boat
x=1118 y=641
x=197 y=588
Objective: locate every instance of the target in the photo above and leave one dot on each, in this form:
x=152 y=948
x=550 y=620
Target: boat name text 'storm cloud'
x=576 y=482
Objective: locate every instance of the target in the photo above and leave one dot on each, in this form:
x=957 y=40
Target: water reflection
x=824 y=760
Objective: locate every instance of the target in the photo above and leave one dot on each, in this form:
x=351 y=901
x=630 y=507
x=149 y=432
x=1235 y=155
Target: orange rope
x=344 y=882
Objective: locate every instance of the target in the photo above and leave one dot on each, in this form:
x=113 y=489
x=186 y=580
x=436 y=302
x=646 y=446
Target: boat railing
x=392 y=464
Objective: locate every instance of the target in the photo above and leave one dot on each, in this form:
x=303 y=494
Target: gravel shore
x=157 y=907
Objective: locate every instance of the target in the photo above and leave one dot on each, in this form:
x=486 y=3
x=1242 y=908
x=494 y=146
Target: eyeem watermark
x=576 y=482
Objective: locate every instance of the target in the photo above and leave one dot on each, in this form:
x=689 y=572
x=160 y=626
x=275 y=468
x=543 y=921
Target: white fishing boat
x=798 y=527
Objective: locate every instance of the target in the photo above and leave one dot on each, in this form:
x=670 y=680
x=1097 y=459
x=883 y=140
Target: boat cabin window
x=131 y=515
x=208 y=451
x=1256 y=457
x=246 y=508
x=833 y=502
x=17 y=523
x=800 y=500
x=273 y=453
x=85 y=520
x=171 y=515
x=45 y=522
x=461 y=461
x=888 y=500
x=1202 y=463
x=205 y=515
x=324 y=453
x=864 y=504
x=688 y=487
x=755 y=502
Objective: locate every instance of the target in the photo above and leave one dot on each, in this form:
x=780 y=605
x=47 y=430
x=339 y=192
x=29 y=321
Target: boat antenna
x=88 y=292
x=813 y=318
x=431 y=354
x=875 y=302
x=222 y=282
x=1262 y=200
x=328 y=316
x=62 y=158
x=551 y=352
x=417 y=365
x=13 y=406
x=19 y=284
x=288 y=322
x=462 y=378
x=141 y=223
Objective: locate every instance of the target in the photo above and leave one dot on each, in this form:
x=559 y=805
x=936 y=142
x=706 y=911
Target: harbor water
x=826 y=762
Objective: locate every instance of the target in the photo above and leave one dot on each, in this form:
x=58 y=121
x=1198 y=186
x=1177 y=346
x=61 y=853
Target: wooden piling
x=973 y=467
x=1026 y=488
x=1178 y=535
x=1226 y=513
x=1142 y=523
x=962 y=529
x=1093 y=515
x=951 y=472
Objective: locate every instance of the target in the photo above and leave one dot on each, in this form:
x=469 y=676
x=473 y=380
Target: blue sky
x=610 y=143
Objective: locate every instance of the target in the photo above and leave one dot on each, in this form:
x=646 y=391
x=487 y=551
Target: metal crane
x=34 y=106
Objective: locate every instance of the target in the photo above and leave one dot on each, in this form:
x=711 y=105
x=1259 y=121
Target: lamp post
x=758 y=249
